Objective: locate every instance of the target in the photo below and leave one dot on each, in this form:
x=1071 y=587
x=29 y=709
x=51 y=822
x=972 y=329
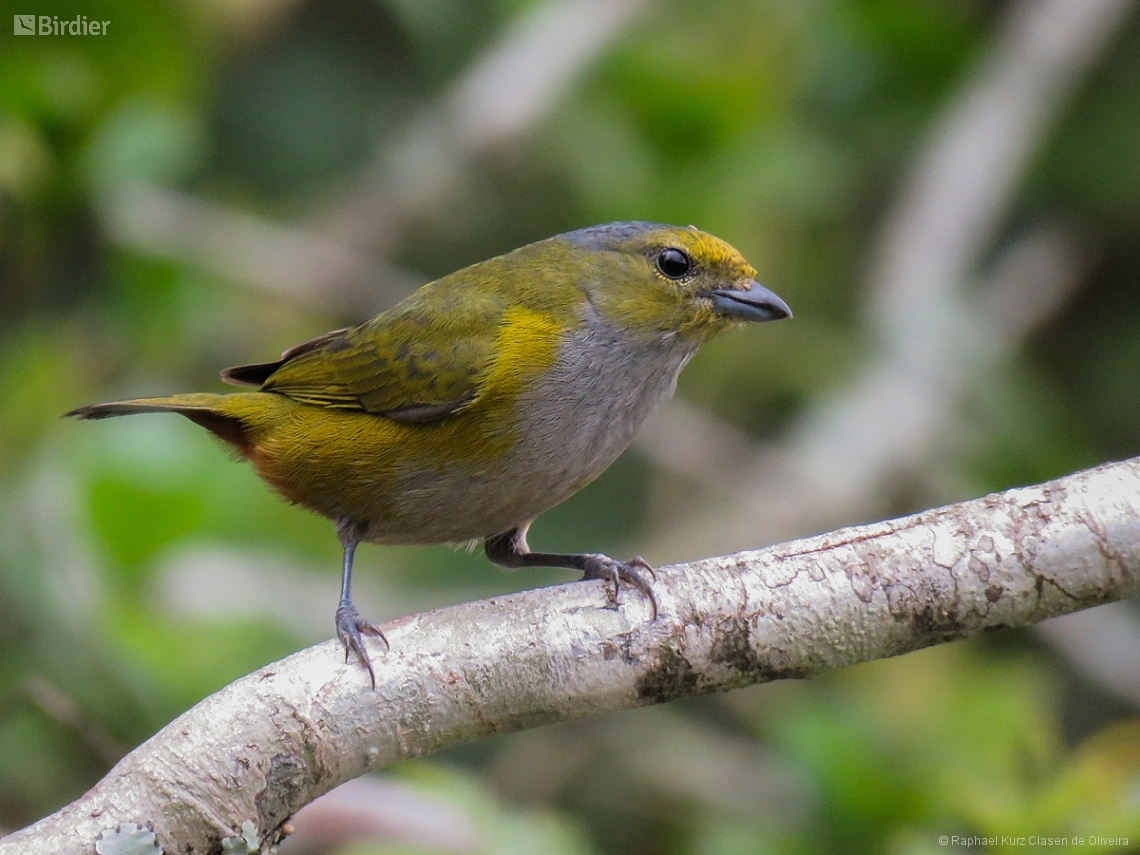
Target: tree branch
x=261 y=748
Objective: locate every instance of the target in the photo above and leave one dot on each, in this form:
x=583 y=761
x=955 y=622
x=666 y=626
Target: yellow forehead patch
x=706 y=250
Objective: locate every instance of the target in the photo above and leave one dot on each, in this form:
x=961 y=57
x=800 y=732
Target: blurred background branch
x=285 y=261
x=939 y=331
x=505 y=92
x=338 y=260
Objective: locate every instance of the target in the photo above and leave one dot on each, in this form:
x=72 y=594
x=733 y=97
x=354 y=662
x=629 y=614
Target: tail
x=203 y=409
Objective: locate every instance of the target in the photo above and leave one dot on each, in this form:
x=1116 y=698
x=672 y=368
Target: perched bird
x=484 y=398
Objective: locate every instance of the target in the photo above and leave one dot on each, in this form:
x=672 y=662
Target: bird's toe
x=615 y=572
x=350 y=627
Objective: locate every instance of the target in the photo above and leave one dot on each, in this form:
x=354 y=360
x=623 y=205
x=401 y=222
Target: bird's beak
x=755 y=303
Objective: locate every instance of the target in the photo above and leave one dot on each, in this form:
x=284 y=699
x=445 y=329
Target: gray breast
x=587 y=410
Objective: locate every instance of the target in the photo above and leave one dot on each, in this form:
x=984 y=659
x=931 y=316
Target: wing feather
x=394 y=365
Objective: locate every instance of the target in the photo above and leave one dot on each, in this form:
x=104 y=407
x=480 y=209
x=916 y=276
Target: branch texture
x=258 y=750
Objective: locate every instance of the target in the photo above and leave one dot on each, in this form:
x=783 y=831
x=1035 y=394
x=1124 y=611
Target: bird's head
x=650 y=279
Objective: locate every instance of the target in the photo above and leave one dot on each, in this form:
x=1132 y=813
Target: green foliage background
x=784 y=127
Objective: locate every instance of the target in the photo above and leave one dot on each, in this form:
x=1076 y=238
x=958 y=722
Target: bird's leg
x=510 y=549
x=349 y=624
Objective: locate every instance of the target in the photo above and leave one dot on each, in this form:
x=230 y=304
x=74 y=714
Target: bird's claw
x=603 y=567
x=350 y=626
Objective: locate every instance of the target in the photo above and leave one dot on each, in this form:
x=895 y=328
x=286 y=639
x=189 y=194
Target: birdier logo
x=51 y=25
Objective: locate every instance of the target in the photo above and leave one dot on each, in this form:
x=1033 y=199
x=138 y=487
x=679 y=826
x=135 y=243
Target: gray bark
x=267 y=744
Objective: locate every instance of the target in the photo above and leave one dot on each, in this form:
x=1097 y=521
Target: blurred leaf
x=24 y=157
x=135 y=522
x=507 y=831
x=143 y=141
x=185 y=661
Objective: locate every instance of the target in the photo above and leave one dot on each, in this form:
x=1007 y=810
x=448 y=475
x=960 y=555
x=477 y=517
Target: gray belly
x=587 y=411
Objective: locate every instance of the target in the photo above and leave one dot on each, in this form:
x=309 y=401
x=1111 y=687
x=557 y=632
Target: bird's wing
x=409 y=366
x=257 y=373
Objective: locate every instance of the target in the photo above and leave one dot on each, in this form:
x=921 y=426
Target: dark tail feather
x=251 y=375
x=257 y=373
x=118 y=408
x=228 y=428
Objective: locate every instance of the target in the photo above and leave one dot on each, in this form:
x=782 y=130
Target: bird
x=484 y=398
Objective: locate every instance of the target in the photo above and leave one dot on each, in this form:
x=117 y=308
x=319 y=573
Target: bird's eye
x=674 y=263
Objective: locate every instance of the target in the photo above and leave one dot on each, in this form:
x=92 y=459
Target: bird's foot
x=350 y=626
x=598 y=566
